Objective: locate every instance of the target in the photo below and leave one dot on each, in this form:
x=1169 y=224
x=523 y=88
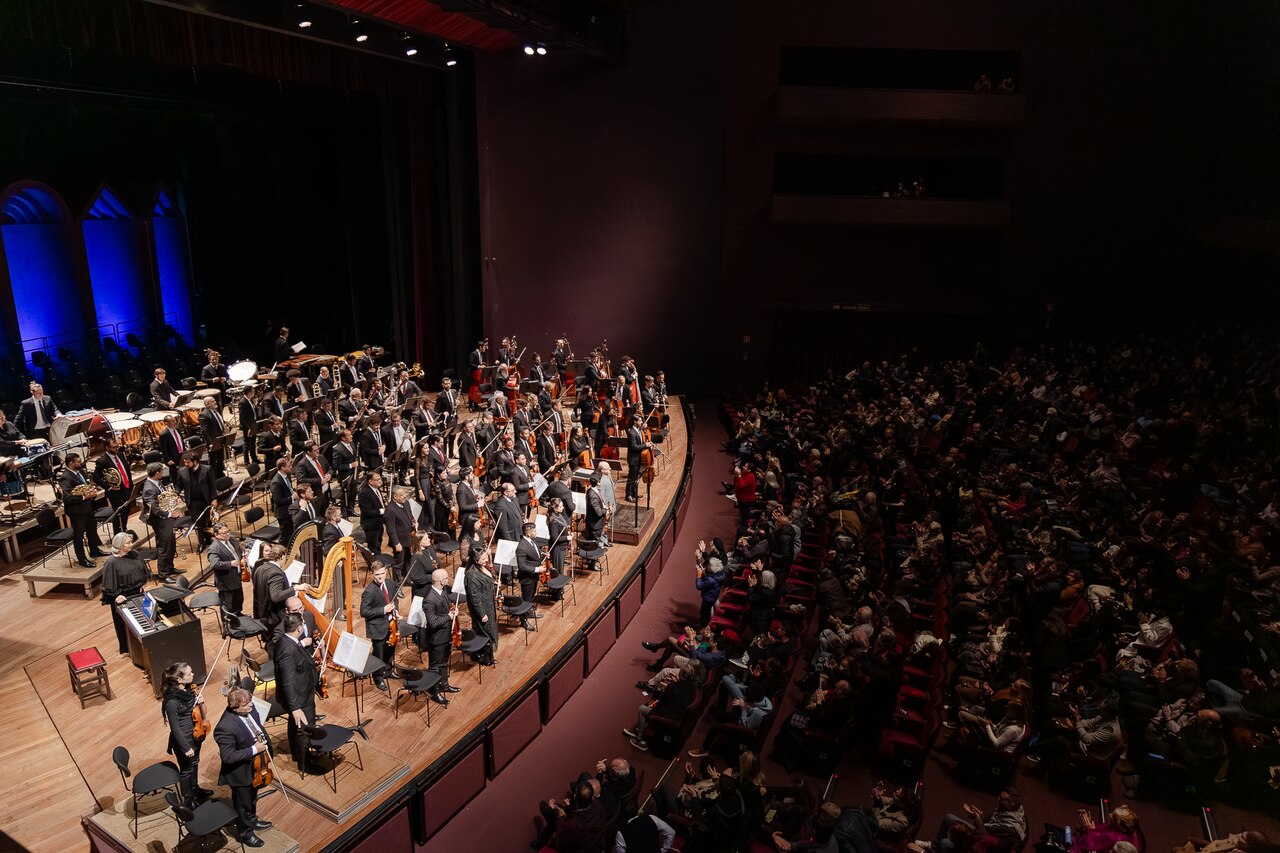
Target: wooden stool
x=88 y=674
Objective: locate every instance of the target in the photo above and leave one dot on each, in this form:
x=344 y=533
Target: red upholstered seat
x=86 y=658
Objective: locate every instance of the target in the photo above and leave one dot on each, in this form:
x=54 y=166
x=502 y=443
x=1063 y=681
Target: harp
x=342 y=552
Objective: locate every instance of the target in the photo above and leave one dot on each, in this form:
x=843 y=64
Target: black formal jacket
x=435 y=609
x=235 y=748
x=197 y=486
x=150 y=491
x=344 y=459
x=224 y=559
x=270 y=445
x=169 y=447
x=520 y=479
x=370 y=443
x=467 y=451
x=507 y=516
x=595 y=512
x=635 y=444
x=67 y=481
x=248 y=417
x=528 y=558
x=299 y=434
x=559 y=489
x=468 y=503
x=27 y=413
x=371 y=507
x=162 y=394
x=376 y=624
x=424 y=563
x=311 y=471
x=326 y=425
x=209 y=426
x=329 y=536
x=301 y=516
x=296 y=675
x=104 y=462
x=211 y=372
x=399 y=521
x=281 y=494
x=271 y=590
x=546 y=453
x=447 y=402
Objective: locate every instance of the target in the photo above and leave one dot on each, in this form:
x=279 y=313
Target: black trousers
x=285 y=522
x=528 y=586
x=203 y=535
x=438 y=662
x=298 y=740
x=244 y=798
x=384 y=652
x=373 y=538
x=116 y=499
x=83 y=527
x=166 y=545
x=188 y=771
x=122 y=633
x=232 y=600
x=633 y=480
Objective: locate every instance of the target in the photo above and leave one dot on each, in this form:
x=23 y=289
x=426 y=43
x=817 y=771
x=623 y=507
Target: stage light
x=528 y=49
x=410 y=49
x=304 y=19
x=542 y=50
x=449 y=59
x=358 y=32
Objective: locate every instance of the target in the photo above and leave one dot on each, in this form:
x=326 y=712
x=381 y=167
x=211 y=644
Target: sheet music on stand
x=345 y=526
x=352 y=652
x=416 y=617
x=541 y=530
x=298 y=347
x=539 y=484
x=262 y=706
x=415 y=508
x=294 y=570
x=506 y=553
x=579 y=503
x=318 y=603
x=255 y=551
x=459 y=583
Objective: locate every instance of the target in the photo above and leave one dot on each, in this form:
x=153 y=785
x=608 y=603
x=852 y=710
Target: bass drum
x=242 y=371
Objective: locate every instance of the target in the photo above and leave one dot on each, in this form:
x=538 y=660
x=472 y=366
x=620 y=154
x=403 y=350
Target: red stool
x=88 y=674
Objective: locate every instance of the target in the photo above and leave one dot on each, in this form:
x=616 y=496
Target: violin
x=393 y=632
x=200 y=725
x=545 y=574
x=262 y=775
x=456 y=639
x=245 y=577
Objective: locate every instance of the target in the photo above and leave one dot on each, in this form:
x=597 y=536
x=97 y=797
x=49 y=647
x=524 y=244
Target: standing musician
x=194 y=482
x=373 y=449
x=423 y=484
x=325 y=381
x=521 y=481
x=282 y=497
x=447 y=401
x=537 y=373
x=378 y=607
x=248 y=412
x=635 y=447
x=398 y=441
x=377 y=396
x=594 y=371
x=326 y=422
x=159 y=521
x=524 y=443
x=281 y=351
x=37 y=413
x=442 y=502
x=345 y=459
x=213 y=427
x=424 y=418
x=481 y=586
x=330 y=533
x=435 y=455
x=439 y=614
x=314 y=471
x=545 y=399
x=400 y=523
x=578 y=443
x=214 y=374
x=10 y=438
x=528 y=565
x=123 y=576
x=503 y=465
x=304 y=510
x=274 y=404
x=506 y=353
x=372 y=510
x=604 y=426
x=162 y=393
x=467 y=498
x=467 y=449
x=240 y=737
x=296 y=679
x=271 y=589
x=171 y=444
x=353 y=408
x=365 y=363
x=597 y=514
x=271 y=442
x=558 y=488
x=79 y=509
x=546 y=449
x=506 y=514
x=560 y=356
x=227 y=559
x=405 y=388
x=299 y=431
x=296 y=391
x=178 y=684
x=349 y=374
x=293 y=606
x=498 y=405
x=608 y=491
x=523 y=419
x=485 y=433
x=121 y=495
x=558 y=521
x=425 y=562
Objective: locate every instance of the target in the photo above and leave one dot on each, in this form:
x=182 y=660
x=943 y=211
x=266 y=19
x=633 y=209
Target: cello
x=474 y=394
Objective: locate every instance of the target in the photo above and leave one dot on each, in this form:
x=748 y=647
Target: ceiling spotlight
x=449 y=59
x=304 y=19
x=529 y=50
x=542 y=50
x=358 y=32
x=410 y=49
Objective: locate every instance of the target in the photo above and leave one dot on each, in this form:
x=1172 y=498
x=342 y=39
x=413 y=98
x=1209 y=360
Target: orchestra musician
x=226 y=559
x=373 y=447
x=447 y=400
x=608 y=491
x=345 y=459
x=372 y=509
x=11 y=438
x=213 y=427
x=304 y=510
x=467 y=449
x=400 y=524
x=606 y=424
x=397 y=440
x=274 y=404
x=171 y=444
x=378 y=607
x=578 y=442
x=299 y=431
x=405 y=388
x=37 y=413
x=326 y=423
x=120 y=496
x=159 y=521
x=179 y=686
x=558 y=520
x=424 y=418
x=271 y=589
x=330 y=533
x=79 y=510
x=296 y=679
x=282 y=497
x=248 y=412
x=468 y=500
x=522 y=482
x=377 y=396
x=560 y=356
x=281 y=351
x=423 y=484
x=475 y=366
x=442 y=501
x=123 y=576
x=546 y=449
x=240 y=737
x=506 y=514
x=439 y=614
x=194 y=482
x=162 y=393
x=597 y=514
x=558 y=488
x=594 y=372
x=506 y=353
x=498 y=405
x=296 y=390
x=635 y=447
x=214 y=374
x=325 y=381
x=485 y=433
x=425 y=562
x=365 y=363
x=537 y=372
x=353 y=408
x=481 y=584
x=503 y=464
x=435 y=455
x=349 y=374
x=545 y=399
x=271 y=442
x=528 y=565
x=314 y=471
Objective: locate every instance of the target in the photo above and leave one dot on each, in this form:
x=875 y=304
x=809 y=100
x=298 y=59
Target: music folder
x=506 y=553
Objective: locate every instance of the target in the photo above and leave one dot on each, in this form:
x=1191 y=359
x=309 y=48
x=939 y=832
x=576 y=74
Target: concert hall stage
x=59 y=767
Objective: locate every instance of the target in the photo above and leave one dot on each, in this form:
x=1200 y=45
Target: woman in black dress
x=123 y=576
x=424 y=562
x=178 y=703
x=481 y=586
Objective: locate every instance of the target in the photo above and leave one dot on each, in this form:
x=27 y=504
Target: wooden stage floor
x=58 y=757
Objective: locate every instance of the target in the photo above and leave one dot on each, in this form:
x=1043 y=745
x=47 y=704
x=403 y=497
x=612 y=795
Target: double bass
x=474 y=393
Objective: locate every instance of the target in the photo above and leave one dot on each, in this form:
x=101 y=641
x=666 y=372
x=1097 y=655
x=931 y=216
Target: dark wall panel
x=452 y=791
x=561 y=684
x=513 y=732
x=601 y=636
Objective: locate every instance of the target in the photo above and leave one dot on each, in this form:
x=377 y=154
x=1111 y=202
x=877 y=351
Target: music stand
x=180 y=400
x=373 y=666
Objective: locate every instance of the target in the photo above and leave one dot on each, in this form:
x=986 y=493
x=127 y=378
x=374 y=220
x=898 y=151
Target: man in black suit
x=120 y=496
x=635 y=446
x=325 y=381
x=299 y=431
x=314 y=471
x=296 y=391
x=372 y=510
x=521 y=481
x=447 y=402
x=397 y=442
x=349 y=374
x=282 y=498
x=159 y=521
x=558 y=488
x=344 y=458
x=212 y=426
x=503 y=464
x=404 y=388
x=377 y=606
x=172 y=445
x=326 y=423
x=330 y=532
x=240 y=737
x=214 y=374
x=36 y=414
x=545 y=401
x=271 y=443
x=281 y=350
x=352 y=409
x=274 y=404
x=468 y=499
x=226 y=559
x=296 y=680
x=507 y=515
x=248 y=412
x=596 y=514
x=195 y=483
x=373 y=448
x=162 y=393
x=79 y=509
x=468 y=452
x=271 y=588
x=546 y=449
x=400 y=528
x=439 y=615
x=528 y=566
x=304 y=509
